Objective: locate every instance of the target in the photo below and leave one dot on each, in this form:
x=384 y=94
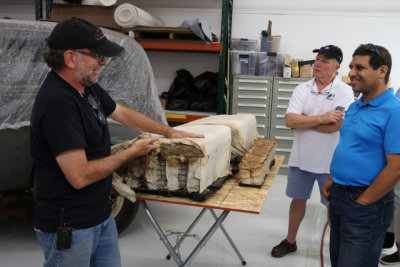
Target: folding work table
x=231 y=197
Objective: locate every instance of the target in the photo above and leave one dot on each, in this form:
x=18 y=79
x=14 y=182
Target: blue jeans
x=357 y=231
x=95 y=247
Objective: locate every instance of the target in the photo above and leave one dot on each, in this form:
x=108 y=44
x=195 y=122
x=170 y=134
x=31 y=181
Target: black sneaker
x=283 y=248
x=391 y=259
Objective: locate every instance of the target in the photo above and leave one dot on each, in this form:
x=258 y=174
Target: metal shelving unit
x=221 y=47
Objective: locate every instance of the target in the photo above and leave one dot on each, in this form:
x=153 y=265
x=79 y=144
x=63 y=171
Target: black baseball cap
x=331 y=51
x=77 y=33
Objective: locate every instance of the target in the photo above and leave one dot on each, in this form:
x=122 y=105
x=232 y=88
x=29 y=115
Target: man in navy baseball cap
x=76 y=33
x=70 y=144
x=331 y=51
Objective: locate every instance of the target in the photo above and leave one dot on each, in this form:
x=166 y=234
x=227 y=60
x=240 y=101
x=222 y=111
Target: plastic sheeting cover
x=128 y=77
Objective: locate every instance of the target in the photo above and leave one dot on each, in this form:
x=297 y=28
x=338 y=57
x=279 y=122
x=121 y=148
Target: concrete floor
x=254 y=235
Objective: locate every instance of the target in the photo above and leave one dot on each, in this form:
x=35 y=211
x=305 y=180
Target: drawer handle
x=282 y=127
x=252 y=96
x=280 y=116
x=284 y=138
x=252 y=89
x=255 y=114
x=252 y=105
x=253 y=81
x=282 y=106
x=283 y=98
x=260 y=125
x=285 y=90
x=289 y=82
x=283 y=150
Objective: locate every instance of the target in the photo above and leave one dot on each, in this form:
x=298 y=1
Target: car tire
x=123 y=210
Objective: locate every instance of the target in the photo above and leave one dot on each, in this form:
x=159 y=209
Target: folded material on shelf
x=200 y=27
x=128 y=16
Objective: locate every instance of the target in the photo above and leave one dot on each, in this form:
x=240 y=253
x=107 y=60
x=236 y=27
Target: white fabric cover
x=243 y=130
x=216 y=160
x=195 y=165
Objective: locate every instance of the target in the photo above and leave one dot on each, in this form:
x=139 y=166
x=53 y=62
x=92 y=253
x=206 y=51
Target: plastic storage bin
x=270 y=44
x=243 y=44
x=270 y=65
x=243 y=62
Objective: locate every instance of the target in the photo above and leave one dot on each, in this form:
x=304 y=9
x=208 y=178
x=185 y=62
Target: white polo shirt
x=312 y=151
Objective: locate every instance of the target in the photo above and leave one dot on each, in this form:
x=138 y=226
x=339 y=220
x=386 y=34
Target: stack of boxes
x=246 y=61
x=243 y=56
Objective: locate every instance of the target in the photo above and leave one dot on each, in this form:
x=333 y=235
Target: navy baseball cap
x=331 y=51
x=77 y=33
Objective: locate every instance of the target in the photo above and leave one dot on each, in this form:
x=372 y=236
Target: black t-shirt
x=62 y=119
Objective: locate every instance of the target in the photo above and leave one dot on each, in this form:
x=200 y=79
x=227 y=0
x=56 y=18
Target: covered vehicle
x=128 y=78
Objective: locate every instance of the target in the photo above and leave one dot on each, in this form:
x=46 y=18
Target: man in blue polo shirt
x=366 y=163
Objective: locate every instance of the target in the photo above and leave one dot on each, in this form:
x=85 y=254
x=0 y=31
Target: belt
x=352 y=188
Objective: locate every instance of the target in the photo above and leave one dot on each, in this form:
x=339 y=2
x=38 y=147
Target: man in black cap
x=70 y=145
x=316 y=112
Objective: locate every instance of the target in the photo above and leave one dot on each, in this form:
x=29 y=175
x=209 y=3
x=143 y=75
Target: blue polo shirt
x=369 y=132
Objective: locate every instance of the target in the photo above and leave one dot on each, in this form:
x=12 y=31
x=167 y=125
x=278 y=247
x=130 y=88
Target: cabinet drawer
x=253 y=81
x=281 y=130
x=262 y=115
x=278 y=117
x=284 y=169
x=279 y=122
x=263 y=132
x=280 y=106
x=283 y=90
x=285 y=83
x=257 y=105
x=261 y=100
x=284 y=143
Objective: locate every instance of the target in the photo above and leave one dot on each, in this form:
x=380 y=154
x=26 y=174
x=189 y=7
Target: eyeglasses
x=96 y=110
x=100 y=58
x=320 y=93
x=371 y=48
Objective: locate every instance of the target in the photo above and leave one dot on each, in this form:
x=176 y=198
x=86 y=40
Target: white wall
x=303 y=25
x=308 y=24
x=17 y=9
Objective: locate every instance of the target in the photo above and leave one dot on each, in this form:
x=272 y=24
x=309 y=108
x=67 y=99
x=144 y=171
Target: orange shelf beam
x=181 y=117
x=180 y=46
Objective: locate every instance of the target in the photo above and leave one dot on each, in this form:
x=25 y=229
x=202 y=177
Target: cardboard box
x=295 y=68
x=287 y=68
x=306 y=71
x=163 y=102
x=287 y=60
x=102 y=16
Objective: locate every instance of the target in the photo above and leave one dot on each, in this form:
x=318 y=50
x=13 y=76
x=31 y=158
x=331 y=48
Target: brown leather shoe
x=283 y=248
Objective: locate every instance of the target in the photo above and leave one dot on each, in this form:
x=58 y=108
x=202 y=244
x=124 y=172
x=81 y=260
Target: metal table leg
x=202 y=242
x=229 y=239
x=188 y=230
x=161 y=234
